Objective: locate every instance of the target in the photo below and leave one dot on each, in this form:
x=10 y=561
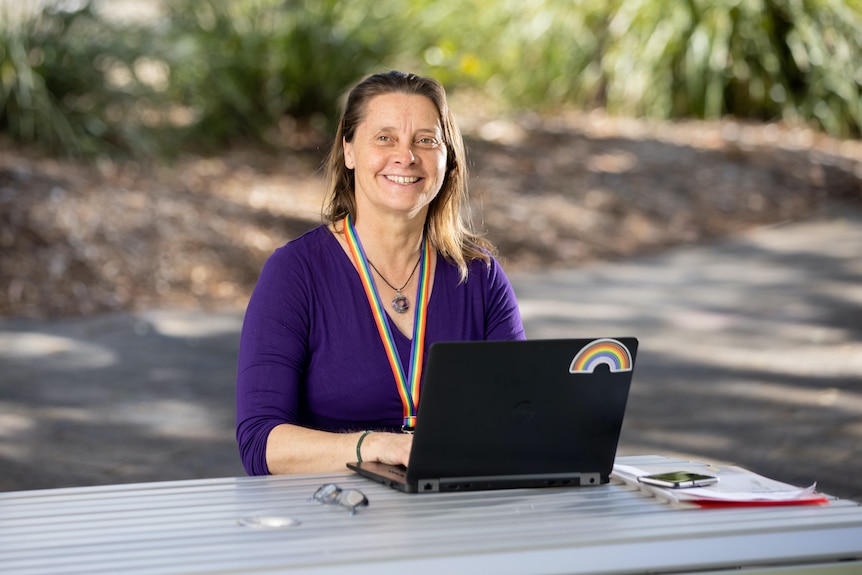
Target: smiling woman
x=323 y=361
x=397 y=156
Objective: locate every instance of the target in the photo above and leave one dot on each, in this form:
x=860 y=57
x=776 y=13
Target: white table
x=193 y=527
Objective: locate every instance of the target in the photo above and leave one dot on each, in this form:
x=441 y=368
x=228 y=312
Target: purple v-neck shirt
x=310 y=353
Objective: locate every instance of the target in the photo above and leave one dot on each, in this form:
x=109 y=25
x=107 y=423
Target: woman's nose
x=404 y=154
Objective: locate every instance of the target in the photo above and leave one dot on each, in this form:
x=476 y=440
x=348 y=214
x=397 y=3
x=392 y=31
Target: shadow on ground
x=118 y=399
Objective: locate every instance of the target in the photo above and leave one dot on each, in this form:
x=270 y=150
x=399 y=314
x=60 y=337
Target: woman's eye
x=428 y=141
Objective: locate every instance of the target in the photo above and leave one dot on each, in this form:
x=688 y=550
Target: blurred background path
x=751 y=353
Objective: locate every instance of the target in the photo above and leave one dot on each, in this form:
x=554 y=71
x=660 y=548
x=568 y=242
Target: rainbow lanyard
x=408 y=389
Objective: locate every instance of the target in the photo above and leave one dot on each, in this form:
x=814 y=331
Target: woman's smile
x=402 y=179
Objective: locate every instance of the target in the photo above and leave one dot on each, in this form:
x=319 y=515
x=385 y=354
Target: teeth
x=402 y=179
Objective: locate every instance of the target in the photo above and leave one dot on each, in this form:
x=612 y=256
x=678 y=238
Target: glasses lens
x=327 y=494
x=352 y=498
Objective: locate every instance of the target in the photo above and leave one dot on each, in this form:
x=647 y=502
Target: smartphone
x=678 y=479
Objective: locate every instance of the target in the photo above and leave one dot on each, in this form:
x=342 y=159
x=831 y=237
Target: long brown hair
x=448 y=224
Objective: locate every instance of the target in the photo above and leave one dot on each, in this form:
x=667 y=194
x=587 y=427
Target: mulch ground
x=86 y=238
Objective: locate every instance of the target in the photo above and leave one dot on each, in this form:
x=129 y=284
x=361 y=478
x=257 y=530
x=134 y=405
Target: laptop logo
x=605 y=351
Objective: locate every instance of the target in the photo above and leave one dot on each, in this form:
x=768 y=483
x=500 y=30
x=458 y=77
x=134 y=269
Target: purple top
x=310 y=353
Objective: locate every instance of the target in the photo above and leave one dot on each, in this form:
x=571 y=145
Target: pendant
x=400 y=303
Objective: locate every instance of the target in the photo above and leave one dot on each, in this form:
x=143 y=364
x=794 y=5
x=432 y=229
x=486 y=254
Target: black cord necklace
x=400 y=303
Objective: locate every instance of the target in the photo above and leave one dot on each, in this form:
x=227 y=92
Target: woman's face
x=397 y=154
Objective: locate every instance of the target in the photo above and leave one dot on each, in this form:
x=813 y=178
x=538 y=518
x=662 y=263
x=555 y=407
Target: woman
x=341 y=318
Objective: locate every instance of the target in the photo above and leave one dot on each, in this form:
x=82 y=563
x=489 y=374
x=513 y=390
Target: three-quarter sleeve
x=272 y=358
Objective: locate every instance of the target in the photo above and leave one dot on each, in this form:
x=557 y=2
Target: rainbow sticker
x=602 y=351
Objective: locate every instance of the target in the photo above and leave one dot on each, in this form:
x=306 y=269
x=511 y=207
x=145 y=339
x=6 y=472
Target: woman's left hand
x=391 y=448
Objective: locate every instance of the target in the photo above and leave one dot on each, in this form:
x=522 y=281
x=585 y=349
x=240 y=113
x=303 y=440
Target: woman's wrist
x=359 y=444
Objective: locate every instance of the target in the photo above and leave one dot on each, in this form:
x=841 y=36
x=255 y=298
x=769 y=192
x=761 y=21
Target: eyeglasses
x=332 y=494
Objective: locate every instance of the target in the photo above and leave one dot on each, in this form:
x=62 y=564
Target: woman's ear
x=349 y=162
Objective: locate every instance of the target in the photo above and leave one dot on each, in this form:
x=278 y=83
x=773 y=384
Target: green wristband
x=359 y=444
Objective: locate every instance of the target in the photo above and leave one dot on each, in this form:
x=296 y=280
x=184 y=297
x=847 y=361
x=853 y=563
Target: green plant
x=29 y=111
x=211 y=72
x=239 y=67
x=67 y=82
x=761 y=59
x=540 y=54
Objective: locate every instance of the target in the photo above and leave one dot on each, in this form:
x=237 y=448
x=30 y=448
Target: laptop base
x=396 y=477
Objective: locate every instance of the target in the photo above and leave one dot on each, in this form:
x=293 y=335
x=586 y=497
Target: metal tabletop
x=194 y=526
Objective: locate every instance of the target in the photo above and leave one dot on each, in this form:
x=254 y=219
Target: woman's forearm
x=291 y=449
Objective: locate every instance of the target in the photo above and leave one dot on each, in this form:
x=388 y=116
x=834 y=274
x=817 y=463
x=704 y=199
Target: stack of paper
x=736 y=487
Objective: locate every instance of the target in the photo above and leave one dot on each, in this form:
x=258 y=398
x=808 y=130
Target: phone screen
x=678 y=479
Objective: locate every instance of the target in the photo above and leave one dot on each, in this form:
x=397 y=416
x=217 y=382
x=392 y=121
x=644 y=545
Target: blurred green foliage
x=239 y=66
x=761 y=59
x=210 y=72
x=66 y=82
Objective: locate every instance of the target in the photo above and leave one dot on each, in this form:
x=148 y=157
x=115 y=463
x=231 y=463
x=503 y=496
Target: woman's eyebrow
x=435 y=130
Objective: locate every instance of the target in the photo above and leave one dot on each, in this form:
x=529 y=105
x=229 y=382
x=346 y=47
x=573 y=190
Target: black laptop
x=508 y=414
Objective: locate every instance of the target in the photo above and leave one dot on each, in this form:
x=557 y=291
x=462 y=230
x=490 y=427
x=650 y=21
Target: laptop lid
x=500 y=414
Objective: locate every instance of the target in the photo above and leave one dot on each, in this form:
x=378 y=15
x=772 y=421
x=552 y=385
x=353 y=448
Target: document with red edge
x=736 y=487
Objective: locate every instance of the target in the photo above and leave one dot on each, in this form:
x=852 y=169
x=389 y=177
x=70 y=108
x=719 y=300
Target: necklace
x=400 y=303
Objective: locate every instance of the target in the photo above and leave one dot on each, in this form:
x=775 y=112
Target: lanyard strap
x=408 y=387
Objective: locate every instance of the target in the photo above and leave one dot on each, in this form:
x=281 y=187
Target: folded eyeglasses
x=332 y=494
